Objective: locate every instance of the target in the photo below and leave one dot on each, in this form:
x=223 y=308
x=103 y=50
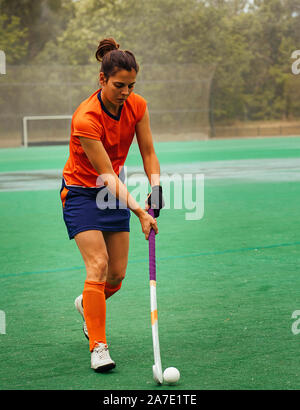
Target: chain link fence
x=177 y=96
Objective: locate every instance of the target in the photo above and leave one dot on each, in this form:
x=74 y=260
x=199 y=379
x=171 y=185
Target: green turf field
x=227 y=284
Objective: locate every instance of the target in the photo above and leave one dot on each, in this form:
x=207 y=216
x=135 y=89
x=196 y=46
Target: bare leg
x=92 y=247
x=93 y=250
x=117 y=244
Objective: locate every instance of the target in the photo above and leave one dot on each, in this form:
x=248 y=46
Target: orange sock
x=94 y=311
x=110 y=289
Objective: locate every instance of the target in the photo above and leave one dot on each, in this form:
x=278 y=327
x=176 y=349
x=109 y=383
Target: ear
x=102 y=79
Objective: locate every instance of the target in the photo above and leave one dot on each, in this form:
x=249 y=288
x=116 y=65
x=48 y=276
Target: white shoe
x=79 y=307
x=100 y=359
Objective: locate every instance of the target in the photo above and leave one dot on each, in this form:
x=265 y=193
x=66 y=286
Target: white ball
x=171 y=375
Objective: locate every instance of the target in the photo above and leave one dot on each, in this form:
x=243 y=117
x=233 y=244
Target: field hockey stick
x=156 y=368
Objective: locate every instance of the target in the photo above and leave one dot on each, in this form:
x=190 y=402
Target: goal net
x=46 y=130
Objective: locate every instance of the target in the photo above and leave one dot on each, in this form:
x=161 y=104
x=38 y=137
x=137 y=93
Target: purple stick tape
x=152 y=263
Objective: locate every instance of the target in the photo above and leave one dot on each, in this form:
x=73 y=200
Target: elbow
x=107 y=176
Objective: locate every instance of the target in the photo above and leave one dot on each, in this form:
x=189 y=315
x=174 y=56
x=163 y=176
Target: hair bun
x=105 y=46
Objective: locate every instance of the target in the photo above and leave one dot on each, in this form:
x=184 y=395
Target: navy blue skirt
x=87 y=209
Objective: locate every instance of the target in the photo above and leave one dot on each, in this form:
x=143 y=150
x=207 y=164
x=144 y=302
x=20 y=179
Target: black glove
x=155 y=200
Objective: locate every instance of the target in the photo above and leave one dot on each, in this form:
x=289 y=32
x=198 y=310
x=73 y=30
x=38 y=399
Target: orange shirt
x=92 y=120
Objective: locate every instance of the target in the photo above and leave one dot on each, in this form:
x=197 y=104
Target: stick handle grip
x=152 y=262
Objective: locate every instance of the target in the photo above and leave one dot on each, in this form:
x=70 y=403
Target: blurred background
x=209 y=68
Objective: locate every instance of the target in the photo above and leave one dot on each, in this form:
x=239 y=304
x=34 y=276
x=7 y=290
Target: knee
x=116 y=276
x=97 y=268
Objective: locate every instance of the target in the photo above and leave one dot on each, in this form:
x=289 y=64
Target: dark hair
x=113 y=59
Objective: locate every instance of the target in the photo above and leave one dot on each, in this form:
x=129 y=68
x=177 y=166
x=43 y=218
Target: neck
x=113 y=108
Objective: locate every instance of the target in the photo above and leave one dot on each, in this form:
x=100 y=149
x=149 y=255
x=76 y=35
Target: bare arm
x=100 y=160
x=145 y=141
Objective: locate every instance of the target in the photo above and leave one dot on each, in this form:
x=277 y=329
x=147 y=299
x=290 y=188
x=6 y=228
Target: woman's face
x=118 y=87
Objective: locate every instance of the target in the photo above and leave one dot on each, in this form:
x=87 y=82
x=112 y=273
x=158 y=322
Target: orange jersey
x=93 y=120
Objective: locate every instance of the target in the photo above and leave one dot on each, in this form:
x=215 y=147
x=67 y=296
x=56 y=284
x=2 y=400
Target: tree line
x=248 y=43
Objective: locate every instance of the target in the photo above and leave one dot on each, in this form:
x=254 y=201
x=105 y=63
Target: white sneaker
x=79 y=307
x=100 y=359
